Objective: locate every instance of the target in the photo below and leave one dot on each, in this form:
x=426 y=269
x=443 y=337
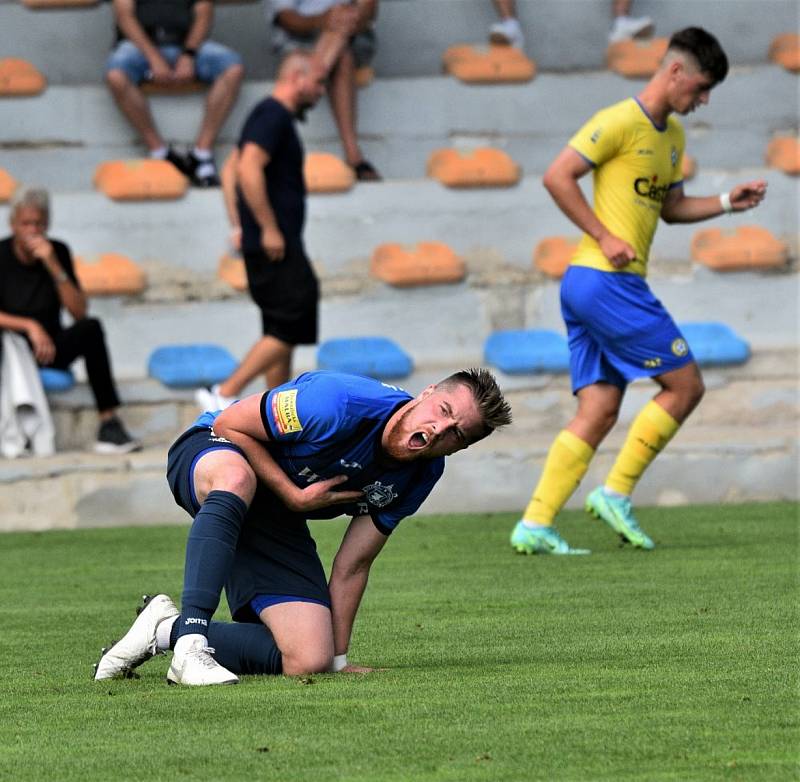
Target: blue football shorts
x=617 y=329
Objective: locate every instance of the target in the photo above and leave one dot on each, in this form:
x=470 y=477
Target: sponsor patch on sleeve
x=284 y=412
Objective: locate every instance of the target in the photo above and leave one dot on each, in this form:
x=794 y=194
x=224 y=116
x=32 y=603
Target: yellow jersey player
x=618 y=330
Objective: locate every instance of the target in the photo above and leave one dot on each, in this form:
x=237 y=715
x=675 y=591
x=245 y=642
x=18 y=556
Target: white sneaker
x=507 y=32
x=137 y=645
x=195 y=666
x=210 y=399
x=626 y=27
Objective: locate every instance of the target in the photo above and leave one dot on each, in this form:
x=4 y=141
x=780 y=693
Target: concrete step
x=764 y=391
x=58 y=139
x=741 y=445
x=561 y=34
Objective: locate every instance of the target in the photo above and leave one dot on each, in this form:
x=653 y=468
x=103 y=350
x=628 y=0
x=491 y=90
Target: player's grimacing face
x=439 y=422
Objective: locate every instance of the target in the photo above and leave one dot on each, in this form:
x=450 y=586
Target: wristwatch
x=191 y=52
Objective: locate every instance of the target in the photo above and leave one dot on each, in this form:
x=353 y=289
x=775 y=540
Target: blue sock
x=209 y=556
x=241 y=647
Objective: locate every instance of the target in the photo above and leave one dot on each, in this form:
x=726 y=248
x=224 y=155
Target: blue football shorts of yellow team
x=617 y=329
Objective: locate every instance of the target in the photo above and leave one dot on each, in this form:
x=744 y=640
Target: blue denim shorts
x=212 y=60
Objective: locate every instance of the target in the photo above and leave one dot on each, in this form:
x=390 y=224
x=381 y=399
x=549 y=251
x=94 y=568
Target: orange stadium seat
x=783 y=153
x=135 y=180
x=488 y=65
x=748 y=247
x=326 y=173
x=110 y=274
x=231 y=270
x=688 y=167
x=19 y=77
x=58 y=3
x=553 y=254
x=785 y=50
x=482 y=167
x=7 y=186
x=426 y=263
x=636 y=59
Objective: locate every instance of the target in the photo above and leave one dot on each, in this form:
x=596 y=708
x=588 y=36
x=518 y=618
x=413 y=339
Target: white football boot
x=137 y=645
x=193 y=665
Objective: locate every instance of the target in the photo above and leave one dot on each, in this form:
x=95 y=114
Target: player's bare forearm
x=349 y=575
x=680 y=208
x=561 y=181
x=690 y=209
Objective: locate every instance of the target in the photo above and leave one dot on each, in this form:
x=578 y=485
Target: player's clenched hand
x=748 y=195
x=618 y=251
x=321 y=494
x=273 y=244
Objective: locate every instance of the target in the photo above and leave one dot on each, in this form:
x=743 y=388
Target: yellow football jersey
x=635 y=165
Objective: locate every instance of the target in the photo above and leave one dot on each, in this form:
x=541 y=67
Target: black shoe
x=210 y=175
x=181 y=162
x=113 y=438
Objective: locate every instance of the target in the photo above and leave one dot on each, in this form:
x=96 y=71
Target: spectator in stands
x=166 y=44
x=38 y=282
x=303 y=24
x=271 y=194
x=508 y=31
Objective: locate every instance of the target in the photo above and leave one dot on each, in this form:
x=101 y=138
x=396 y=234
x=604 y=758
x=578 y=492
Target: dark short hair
x=705 y=49
x=495 y=411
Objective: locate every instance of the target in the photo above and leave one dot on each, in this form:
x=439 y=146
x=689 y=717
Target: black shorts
x=276 y=554
x=287 y=293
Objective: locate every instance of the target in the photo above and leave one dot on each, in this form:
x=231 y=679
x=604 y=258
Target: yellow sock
x=567 y=462
x=651 y=430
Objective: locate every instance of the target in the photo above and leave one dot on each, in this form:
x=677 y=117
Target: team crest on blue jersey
x=679 y=347
x=673 y=156
x=379 y=495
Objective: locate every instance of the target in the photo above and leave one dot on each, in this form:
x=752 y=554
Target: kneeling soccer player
x=320 y=446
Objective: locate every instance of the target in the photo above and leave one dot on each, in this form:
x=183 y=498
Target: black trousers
x=86 y=339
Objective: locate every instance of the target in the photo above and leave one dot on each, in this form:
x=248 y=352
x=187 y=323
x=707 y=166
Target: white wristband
x=339 y=662
x=725 y=202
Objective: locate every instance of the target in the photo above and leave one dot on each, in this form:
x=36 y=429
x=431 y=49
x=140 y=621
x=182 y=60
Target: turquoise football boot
x=618 y=514
x=541 y=540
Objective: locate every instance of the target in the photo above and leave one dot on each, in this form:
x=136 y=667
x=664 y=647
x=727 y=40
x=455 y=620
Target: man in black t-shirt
x=271 y=197
x=166 y=44
x=37 y=281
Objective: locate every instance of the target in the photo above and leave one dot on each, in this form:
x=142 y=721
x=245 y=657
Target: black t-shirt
x=166 y=22
x=271 y=126
x=28 y=290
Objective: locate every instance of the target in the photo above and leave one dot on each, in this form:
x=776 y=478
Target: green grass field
x=677 y=664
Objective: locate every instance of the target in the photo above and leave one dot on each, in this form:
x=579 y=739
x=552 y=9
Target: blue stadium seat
x=715 y=344
x=521 y=351
x=190 y=366
x=55 y=380
x=376 y=357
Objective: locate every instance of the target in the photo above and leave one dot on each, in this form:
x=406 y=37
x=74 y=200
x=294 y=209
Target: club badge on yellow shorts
x=284 y=412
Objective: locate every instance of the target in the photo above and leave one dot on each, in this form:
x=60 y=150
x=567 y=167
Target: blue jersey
x=324 y=424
